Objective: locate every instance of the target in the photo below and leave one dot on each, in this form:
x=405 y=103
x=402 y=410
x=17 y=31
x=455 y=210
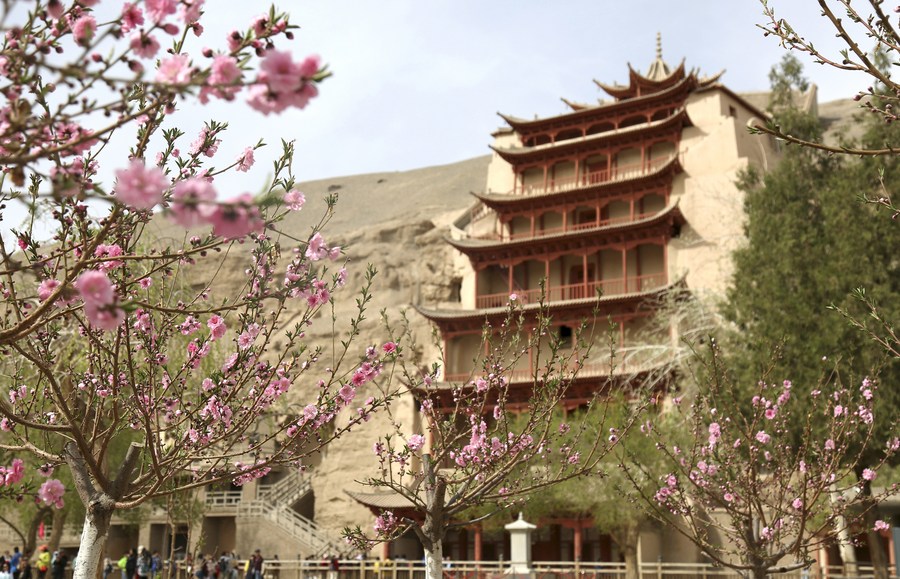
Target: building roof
x=502 y=201
x=483 y=252
x=674 y=122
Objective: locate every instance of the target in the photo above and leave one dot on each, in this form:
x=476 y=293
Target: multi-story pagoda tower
x=611 y=205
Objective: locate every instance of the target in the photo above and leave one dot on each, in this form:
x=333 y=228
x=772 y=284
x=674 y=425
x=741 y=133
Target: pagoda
x=606 y=209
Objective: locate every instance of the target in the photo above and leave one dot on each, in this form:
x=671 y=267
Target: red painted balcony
x=615 y=173
x=568 y=228
x=609 y=287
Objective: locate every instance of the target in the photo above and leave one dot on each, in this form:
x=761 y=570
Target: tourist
x=25 y=566
x=14 y=563
x=255 y=566
x=4 y=571
x=43 y=562
x=131 y=564
x=144 y=563
x=155 y=565
x=59 y=564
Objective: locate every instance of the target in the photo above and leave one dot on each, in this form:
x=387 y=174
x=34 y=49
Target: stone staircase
x=287 y=491
x=274 y=504
x=296 y=525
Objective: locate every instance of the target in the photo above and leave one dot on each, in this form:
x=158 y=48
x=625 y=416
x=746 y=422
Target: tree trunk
x=59 y=526
x=628 y=543
x=432 y=531
x=93 y=540
x=30 y=546
x=845 y=544
x=876 y=546
x=434 y=561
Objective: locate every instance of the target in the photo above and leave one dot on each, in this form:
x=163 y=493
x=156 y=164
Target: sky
x=419 y=83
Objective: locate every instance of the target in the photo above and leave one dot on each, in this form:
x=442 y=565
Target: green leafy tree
x=809 y=248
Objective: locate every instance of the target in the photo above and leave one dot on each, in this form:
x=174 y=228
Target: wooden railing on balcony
x=628 y=360
x=614 y=173
x=609 y=287
x=569 y=228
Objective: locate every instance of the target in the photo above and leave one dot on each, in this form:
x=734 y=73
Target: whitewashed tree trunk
x=434 y=561
x=845 y=542
x=93 y=539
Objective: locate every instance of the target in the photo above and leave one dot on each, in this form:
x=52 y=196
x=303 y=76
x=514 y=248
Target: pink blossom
x=107 y=318
x=771 y=412
x=347 y=393
x=51 y=492
x=385 y=523
x=245 y=161
x=294 y=200
x=279 y=72
x=415 y=442
x=45 y=470
x=762 y=437
x=193 y=202
x=316 y=248
x=83 y=29
x=190 y=11
x=13 y=474
x=47 y=287
x=174 y=70
x=144 y=45
x=728 y=497
x=838 y=410
x=157 y=10
x=829 y=444
x=797 y=504
x=881 y=526
x=869 y=474
x=513 y=297
x=236 y=218
x=95 y=288
x=217 y=327
x=224 y=70
x=389 y=347
x=139 y=186
x=715 y=432
x=131 y=17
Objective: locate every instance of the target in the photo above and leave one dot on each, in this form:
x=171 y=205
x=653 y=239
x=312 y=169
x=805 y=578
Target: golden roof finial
x=659 y=45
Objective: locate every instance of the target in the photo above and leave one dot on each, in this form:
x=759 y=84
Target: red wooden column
x=477 y=272
x=385 y=550
x=578 y=541
x=511 y=266
x=665 y=247
x=545 y=178
x=584 y=280
x=478 y=539
x=624 y=270
x=577 y=175
x=643 y=158
x=565 y=216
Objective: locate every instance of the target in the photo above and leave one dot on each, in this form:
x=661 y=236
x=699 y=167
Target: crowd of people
x=43 y=565
x=140 y=563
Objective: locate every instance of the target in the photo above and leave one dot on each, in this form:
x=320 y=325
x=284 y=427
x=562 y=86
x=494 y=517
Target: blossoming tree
x=103 y=339
x=766 y=478
x=489 y=443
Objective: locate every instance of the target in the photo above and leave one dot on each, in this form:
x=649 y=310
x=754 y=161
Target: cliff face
x=396 y=222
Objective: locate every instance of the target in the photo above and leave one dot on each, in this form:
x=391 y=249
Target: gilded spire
x=658 y=68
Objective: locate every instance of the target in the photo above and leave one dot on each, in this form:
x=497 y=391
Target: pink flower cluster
x=283 y=83
x=51 y=492
x=100 y=301
x=386 y=523
x=12 y=474
x=194 y=204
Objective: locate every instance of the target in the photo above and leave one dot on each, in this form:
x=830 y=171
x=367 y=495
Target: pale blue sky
x=419 y=82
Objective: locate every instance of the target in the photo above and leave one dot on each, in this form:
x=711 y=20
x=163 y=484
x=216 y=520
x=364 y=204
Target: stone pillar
x=520 y=548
